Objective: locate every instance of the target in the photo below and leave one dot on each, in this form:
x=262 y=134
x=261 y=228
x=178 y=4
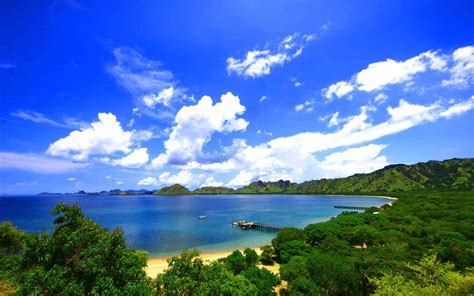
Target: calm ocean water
x=164 y=225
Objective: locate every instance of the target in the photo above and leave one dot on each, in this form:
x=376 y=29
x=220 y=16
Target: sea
x=165 y=225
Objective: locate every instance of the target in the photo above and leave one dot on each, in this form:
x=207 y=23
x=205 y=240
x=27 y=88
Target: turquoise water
x=164 y=225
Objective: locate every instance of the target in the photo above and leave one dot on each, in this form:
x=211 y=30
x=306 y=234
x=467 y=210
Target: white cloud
x=243 y=178
x=146 y=80
x=119 y=183
x=462 y=72
x=163 y=97
x=381 y=74
x=335 y=120
x=135 y=159
x=183 y=177
x=37 y=163
x=258 y=63
x=381 y=98
x=295 y=157
x=195 y=124
x=263 y=132
x=459 y=108
x=42 y=119
x=296 y=82
x=71 y=179
x=210 y=182
x=307 y=106
x=148 y=181
x=103 y=137
x=338 y=89
x=363 y=159
x=263 y=98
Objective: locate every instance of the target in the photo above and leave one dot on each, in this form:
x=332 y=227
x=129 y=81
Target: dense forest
x=422 y=244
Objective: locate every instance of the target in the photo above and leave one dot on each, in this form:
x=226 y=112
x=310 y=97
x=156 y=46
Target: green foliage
x=427 y=277
x=188 y=275
x=353 y=247
x=261 y=187
x=293 y=248
x=175 y=189
x=251 y=257
x=79 y=258
x=213 y=190
x=287 y=235
x=235 y=262
x=262 y=278
x=316 y=233
x=266 y=257
x=11 y=239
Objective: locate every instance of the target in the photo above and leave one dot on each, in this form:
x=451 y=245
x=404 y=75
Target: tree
x=286 y=235
x=293 y=248
x=188 y=275
x=11 y=239
x=316 y=233
x=429 y=277
x=262 y=278
x=80 y=258
x=235 y=262
x=266 y=257
x=251 y=257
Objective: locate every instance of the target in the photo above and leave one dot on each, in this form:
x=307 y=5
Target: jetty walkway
x=255 y=225
x=351 y=208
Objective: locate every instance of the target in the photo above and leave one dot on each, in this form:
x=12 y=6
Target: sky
x=99 y=95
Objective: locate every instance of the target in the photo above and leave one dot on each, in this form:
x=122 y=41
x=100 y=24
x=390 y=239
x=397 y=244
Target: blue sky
x=97 y=95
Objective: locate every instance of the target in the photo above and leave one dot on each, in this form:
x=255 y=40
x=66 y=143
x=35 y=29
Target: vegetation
x=175 y=189
x=423 y=244
x=213 y=190
x=384 y=252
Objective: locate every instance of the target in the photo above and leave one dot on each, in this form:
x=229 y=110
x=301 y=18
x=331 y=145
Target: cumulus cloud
x=102 y=141
x=296 y=157
x=105 y=136
x=146 y=80
x=135 y=159
x=148 y=181
x=389 y=72
x=263 y=98
x=259 y=62
x=37 y=163
x=195 y=124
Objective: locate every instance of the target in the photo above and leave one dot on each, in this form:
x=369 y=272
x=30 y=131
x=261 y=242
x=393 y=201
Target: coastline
x=157 y=265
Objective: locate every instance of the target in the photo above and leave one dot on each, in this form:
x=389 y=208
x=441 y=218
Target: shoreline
x=157 y=265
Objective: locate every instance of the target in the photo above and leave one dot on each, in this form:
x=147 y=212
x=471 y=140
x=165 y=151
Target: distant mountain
x=448 y=175
x=213 y=190
x=266 y=187
x=175 y=189
x=453 y=174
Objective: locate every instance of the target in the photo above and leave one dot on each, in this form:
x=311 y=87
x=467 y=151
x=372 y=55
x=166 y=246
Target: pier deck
x=351 y=208
x=255 y=225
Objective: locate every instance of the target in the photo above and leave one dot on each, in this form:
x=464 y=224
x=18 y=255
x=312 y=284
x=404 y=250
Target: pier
x=351 y=208
x=255 y=225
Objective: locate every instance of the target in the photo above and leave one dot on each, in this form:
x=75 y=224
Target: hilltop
x=454 y=174
x=175 y=189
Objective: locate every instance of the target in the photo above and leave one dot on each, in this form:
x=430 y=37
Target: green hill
x=448 y=175
x=453 y=174
x=266 y=187
x=175 y=189
x=213 y=190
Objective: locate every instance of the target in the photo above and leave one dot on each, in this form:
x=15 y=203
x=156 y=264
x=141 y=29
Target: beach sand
x=157 y=265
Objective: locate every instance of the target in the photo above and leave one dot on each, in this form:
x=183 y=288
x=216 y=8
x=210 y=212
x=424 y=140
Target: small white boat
x=202 y=217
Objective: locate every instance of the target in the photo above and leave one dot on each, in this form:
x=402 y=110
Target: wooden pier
x=351 y=208
x=255 y=225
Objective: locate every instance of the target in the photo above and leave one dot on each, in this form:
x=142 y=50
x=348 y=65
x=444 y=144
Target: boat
x=202 y=217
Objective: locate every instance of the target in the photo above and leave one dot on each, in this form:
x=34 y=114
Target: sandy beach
x=157 y=265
